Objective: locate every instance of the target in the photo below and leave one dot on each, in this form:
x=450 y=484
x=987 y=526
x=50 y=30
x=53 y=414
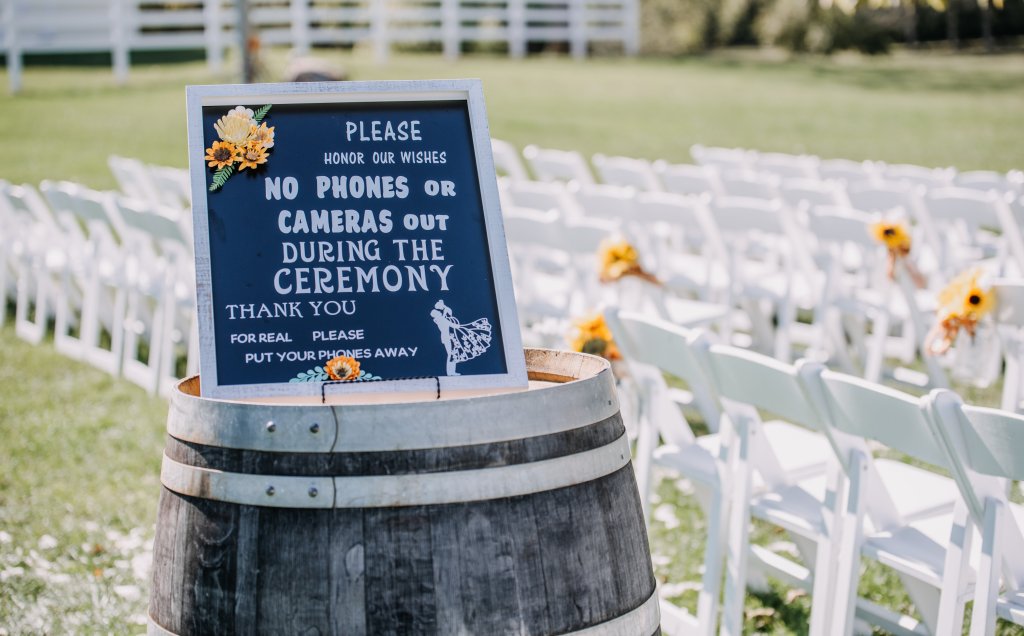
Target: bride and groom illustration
x=461 y=341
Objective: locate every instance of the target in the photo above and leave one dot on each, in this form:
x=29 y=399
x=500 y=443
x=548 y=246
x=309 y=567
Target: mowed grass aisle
x=80 y=452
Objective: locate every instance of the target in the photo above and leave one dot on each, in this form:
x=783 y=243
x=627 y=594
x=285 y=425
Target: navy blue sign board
x=349 y=239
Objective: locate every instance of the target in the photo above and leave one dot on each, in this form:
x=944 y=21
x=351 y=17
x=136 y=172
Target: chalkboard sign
x=349 y=239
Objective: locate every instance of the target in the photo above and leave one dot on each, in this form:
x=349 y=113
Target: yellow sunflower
x=977 y=302
x=891 y=234
x=592 y=335
x=222 y=154
x=342 y=368
x=252 y=156
x=263 y=135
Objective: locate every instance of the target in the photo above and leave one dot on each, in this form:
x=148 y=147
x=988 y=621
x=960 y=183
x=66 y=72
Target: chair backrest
x=986 y=449
x=917 y=175
x=846 y=170
x=548 y=164
x=811 y=192
x=724 y=158
x=602 y=201
x=987 y=180
x=644 y=340
x=842 y=225
x=144 y=223
x=533 y=228
x=760 y=381
x=749 y=184
x=685 y=178
x=133 y=178
x=626 y=172
x=964 y=209
x=882 y=414
x=537 y=195
x=740 y=215
x=786 y=166
x=506 y=160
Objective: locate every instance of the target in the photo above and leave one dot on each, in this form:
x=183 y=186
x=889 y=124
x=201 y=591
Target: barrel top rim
x=546 y=368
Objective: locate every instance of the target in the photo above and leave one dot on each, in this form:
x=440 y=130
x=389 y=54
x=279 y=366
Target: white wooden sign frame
x=468 y=90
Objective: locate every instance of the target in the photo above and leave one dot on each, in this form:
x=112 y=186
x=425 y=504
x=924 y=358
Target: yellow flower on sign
x=263 y=135
x=235 y=126
x=342 y=368
x=221 y=154
x=252 y=155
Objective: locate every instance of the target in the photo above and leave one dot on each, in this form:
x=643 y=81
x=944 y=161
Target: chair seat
x=695 y=461
x=916 y=492
x=1011 y=607
x=918 y=549
x=801 y=453
x=798 y=508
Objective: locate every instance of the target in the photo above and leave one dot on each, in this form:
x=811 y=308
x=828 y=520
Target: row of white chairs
x=739 y=172
x=162 y=186
x=761 y=258
x=824 y=473
x=113 y=275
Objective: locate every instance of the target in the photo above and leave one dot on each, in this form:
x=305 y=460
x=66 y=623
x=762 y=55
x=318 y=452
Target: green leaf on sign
x=220 y=177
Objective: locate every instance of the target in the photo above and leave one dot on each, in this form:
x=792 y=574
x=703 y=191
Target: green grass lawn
x=80 y=452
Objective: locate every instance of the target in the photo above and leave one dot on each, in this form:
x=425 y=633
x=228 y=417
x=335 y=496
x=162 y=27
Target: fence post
x=379 y=31
x=631 y=22
x=119 y=20
x=300 y=26
x=577 y=29
x=517 y=28
x=13 y=46
x=450 y=28
x=214 y=36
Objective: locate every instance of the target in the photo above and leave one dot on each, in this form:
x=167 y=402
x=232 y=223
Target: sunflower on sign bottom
x=337 y=369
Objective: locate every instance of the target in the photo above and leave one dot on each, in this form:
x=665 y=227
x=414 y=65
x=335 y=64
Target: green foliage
x=261 y=113
x=221 y=177
x=316 y=374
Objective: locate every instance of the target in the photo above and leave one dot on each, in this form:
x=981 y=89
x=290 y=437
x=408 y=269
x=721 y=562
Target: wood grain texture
x=538 y=564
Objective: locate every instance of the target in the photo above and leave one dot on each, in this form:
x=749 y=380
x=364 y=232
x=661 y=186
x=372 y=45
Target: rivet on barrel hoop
x=313 y=492
x=270 y=491
x=314 y=428
x=271 y=427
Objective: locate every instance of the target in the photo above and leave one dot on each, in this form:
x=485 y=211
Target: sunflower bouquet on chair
x=962 y=303
x=592 y=335
x=896 y=238
x=618 y=258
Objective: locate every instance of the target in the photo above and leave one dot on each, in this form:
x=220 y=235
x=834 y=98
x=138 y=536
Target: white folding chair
x=786 y=166
x=548 y=164
x=42 y=252
x=612 y=203
x=101 y=279
x=903 y=516
x=651 y=347
x=766 y=279
x=749 y=184
x=812 y=192
x=917 y=175
x=684 y=178
x=966 y=220
x=1009 y=325
x=846 y=170
x=725 y=159
x=986 y=449
x=506 y=160
x=160 y=295
x=542 y=274
x=133 y=178
x=626 y=172
x=797 y=473
x=536 y=195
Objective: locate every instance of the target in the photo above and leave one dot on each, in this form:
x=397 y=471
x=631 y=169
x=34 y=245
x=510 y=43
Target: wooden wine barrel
x=512 y=513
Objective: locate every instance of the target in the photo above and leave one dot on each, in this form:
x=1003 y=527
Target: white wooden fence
x=122 y=26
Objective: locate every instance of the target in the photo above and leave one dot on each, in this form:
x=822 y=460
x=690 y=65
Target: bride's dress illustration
x=461 y=341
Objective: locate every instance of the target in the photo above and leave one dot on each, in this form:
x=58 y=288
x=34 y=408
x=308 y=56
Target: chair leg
x=738 y=533
x=847 y=550
x=986 y=590
x=955 y=570
x=711 y=581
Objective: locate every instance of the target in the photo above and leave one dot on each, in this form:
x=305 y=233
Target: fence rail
x=122 y=26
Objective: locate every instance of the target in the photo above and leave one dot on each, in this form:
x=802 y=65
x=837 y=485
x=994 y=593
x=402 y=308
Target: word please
x=377 y=130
